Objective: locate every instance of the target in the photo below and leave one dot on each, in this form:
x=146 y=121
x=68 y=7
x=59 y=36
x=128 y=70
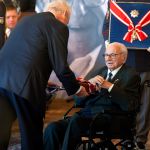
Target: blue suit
x=36 y=46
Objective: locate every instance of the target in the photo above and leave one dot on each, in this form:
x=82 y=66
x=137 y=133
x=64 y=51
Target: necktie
x=109 y=76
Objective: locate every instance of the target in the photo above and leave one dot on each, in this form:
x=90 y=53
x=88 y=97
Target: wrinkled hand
x=97 y=80
x=100 y=82
x=82 y=92
x=106 y=84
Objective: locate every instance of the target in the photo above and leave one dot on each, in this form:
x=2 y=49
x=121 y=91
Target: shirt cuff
x=78 y=90
x=110 y=88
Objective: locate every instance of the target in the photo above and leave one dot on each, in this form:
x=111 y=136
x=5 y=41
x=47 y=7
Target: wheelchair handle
x=50 y=90
x=147 y=83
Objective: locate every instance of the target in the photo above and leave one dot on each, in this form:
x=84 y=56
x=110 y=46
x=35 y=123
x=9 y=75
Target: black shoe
x=140 y=146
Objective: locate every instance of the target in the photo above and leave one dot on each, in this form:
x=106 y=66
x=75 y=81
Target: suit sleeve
x=57 y=47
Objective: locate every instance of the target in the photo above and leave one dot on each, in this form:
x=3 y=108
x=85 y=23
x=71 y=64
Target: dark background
x=26 y=5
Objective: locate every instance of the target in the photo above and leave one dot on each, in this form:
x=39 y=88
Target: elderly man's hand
x=97 y=80
x=106 y=84
x=100 y=82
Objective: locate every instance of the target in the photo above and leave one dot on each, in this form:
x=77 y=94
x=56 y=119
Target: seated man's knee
x=55 y=129
x=52 y=127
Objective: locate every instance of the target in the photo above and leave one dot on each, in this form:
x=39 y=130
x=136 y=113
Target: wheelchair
x=122 y=129
x=119 y=135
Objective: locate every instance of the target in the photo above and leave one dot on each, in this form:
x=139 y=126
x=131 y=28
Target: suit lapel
x=104 y=73
x=119 y=73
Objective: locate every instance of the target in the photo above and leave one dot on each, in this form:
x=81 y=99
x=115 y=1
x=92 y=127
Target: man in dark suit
x=139 y=59
x=11 y=18
x=35 y=47
x=120 y=91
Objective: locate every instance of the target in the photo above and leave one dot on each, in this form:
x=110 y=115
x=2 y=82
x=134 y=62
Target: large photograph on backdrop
x=86 y=43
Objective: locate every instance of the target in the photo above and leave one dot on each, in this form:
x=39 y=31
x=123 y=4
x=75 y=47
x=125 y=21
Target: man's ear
x=66 y=14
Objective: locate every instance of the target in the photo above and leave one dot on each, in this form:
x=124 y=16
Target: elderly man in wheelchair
x=108 y=112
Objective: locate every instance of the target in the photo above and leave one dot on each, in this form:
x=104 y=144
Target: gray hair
x=59 y=5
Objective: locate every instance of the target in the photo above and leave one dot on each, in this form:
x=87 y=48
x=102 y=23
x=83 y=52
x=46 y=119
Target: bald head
x=115 y=55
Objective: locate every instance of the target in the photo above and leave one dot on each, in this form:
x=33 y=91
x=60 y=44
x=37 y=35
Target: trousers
x=30 y=121
x=66 y=134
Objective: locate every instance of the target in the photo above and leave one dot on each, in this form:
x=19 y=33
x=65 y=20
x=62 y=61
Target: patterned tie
x=109 y=76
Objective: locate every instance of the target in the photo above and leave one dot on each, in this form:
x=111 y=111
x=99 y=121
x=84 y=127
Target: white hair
x=58 y=5
x=121 y=47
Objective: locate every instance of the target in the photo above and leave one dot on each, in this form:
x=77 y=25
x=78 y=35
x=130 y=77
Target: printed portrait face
x=85 y=26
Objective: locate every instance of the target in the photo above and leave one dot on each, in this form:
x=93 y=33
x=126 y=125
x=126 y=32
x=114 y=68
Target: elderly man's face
x=114 y=57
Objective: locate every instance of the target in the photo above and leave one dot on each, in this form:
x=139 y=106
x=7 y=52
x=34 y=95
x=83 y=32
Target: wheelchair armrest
x=67 y=113
x=147 y=83
x=65 y=116
x=53 y=89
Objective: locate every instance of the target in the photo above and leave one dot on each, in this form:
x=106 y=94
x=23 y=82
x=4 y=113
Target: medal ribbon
x=121 y=15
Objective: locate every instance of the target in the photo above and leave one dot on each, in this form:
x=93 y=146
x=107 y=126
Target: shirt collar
x=114 y=72
x=7 y=32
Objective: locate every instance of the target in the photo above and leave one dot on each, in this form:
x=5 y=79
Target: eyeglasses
x=112 y=55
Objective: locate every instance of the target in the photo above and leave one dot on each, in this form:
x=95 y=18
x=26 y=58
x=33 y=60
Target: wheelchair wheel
x=103 y=145
x=83 y=145
x=128 y=145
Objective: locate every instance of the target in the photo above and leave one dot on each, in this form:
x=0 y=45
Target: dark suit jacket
x=124 y=95
x=36 y=46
